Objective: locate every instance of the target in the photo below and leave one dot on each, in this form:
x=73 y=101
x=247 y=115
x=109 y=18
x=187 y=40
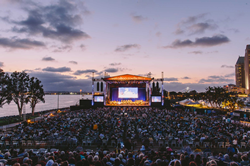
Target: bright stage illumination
x=128 y=92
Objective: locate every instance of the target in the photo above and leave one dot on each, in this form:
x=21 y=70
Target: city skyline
x=62 y=42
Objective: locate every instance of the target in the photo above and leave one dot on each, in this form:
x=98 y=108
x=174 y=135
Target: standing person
x=231 y=149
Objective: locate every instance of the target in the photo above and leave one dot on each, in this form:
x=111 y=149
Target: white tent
x=185 y=102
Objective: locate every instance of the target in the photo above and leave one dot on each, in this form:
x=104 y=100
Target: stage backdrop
x=141 y=95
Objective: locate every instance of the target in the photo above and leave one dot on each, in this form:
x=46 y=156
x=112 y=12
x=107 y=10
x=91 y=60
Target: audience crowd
x=126 y=128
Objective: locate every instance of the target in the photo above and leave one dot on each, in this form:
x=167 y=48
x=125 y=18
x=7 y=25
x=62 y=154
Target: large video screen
x=98 y=98
x=156 y=99
x=128 y=92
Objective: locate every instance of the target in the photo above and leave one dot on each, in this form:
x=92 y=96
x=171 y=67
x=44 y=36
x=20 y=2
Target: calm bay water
x=50 y=103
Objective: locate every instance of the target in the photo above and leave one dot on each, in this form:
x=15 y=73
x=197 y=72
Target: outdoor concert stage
x=126 y=90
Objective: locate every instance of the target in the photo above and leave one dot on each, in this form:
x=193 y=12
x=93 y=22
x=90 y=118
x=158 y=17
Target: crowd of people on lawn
x=123 y=157
x=126 y=128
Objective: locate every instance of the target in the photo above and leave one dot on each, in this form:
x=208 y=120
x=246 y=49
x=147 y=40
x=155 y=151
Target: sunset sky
x=195 y=43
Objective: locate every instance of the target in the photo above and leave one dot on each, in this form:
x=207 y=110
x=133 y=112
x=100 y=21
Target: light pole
x=162 y=92
x=24 y=112
x=58 y=101
x=92 y=103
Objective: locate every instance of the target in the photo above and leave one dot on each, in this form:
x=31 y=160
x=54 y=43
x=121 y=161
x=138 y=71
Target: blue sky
x=195 y=43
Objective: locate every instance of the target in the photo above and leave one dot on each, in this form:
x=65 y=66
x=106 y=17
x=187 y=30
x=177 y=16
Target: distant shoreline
x=51 y=102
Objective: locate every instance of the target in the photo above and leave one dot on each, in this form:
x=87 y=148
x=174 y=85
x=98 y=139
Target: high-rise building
x=246 y=66
x=240 y=73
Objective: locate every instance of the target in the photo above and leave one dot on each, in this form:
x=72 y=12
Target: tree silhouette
x=5 y=97
x=35 y=93
x=18 y=87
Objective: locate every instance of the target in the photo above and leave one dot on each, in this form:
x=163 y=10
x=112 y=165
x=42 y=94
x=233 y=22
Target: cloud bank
x=127 y=47
x=58 y=21
x=60 y=69
x=48 y=59
x=16 y=43
x=202 y=42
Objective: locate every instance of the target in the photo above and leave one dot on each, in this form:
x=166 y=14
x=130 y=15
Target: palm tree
x=231 y=103
x=219 y=96
x=210 y=97
x=240 y=104
x=215 y=96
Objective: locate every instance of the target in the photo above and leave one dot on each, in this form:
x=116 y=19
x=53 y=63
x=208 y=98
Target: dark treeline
x=217 y=97
x=20 y=88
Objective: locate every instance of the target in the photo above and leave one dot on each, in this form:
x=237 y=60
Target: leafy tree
x=165 y=93
x=202 y=96
x=5 y=97
x=232 y=102
x=193 y=95
x=215 y=96
x=18 y=88
x=240 y=104
x=210 y=97
x=193 y=92
x=172 y=94
x=219 y=97
x=35 y=93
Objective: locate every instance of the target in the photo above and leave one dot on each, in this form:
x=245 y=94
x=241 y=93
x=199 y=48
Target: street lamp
x=24 y=111
x=58 y=101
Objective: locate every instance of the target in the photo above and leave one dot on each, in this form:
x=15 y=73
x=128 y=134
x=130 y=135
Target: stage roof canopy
x=127 y=77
